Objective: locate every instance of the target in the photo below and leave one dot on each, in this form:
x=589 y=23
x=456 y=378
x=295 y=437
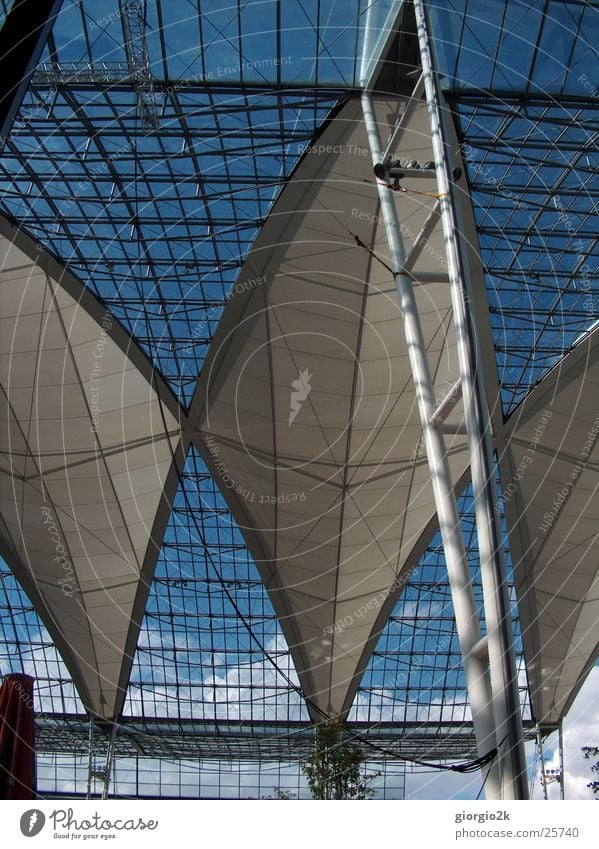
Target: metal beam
x=22 y=38
x=422 y=237
x=508 y=97
x=90 y=757
x=136 y=47
x=279 y=740
x=542 y=757
x=467 y=622
x=562 y=774
x=111 y=76
x=500 y=638
x=405 y=116
x=444 y=407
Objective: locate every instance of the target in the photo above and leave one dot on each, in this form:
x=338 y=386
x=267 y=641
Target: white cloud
x=581 y=728
x=245 y=691
x=254 y=690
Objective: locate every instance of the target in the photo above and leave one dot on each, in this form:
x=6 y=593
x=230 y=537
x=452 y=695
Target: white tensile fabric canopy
x=87 y=449
x=306 y=408
x=550 y=471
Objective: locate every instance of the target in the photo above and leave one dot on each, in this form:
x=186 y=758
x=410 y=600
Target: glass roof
x=157 y=225
x=211 y=650
x=25 y=646
x=285 y=42
x=210 y=646
x=153 y=192
x=535 y=192
x=522 y=77
x=158 y=219
x=524 y=47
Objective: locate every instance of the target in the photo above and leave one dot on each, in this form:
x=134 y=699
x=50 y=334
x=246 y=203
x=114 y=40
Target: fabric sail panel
x=305 y=412
x=87 y=448
x=550 y=473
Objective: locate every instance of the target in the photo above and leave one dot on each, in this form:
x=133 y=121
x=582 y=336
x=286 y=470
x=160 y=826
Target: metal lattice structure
x=528 y=124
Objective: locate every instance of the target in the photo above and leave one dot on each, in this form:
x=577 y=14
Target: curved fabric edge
x=167 y=431
x=554 y=552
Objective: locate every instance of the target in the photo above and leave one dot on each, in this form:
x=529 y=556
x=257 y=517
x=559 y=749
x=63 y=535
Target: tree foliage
x=334 y=769
x=279 y=793
x=589 y=753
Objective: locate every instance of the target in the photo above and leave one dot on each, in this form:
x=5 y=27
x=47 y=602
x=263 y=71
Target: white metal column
x=542 y=758
x=467 y=621
x=500 y=637
x=90 y=757
x=109 y=760
x=562 y=772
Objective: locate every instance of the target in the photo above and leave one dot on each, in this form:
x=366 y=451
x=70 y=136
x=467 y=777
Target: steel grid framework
x=157 y=224
x=535 y=191
x=519 y=78
x=239 y=741
x=137 y=777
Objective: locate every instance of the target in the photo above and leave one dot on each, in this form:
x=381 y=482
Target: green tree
x=334 y=769
x=279 y=793
x=593 y=752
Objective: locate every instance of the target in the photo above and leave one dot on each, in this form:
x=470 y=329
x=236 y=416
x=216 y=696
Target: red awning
x=17 y=738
